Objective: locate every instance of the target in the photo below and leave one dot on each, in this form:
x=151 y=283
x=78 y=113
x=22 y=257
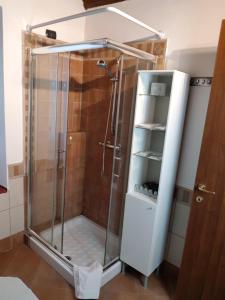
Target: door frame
x=203 y=245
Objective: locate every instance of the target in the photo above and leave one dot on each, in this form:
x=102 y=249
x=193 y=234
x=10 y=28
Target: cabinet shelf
x=149 y=155
x=143 y=196
x=152 y=126
x=149 y=95
x=143 y=94
x=138 y=188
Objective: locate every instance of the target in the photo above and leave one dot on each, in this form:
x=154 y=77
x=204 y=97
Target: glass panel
x=47 y=146
x=61 y=130
x=87 y=181
x=73 y=156
x=125 y=101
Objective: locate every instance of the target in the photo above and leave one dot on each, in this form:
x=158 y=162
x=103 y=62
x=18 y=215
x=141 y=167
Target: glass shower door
x=49 y=83
x=112 y=246
x=126 y=95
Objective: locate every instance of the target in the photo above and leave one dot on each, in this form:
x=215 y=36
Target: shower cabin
x=81 y=113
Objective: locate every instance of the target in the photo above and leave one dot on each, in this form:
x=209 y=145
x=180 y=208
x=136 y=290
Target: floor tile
x=47 y=284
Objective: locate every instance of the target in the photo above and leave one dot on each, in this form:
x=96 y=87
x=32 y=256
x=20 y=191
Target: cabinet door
x=137 y=233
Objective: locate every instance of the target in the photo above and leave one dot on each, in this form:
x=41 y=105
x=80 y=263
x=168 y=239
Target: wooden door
x=202 y=274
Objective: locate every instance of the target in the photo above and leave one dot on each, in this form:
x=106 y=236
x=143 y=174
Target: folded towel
x=87 y=280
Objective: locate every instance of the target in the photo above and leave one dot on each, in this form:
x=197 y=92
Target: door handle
x=202 y=188
x=117 y=160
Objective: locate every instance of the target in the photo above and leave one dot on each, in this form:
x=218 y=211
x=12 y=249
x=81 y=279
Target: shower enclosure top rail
x=96 y=44
x=92 y=12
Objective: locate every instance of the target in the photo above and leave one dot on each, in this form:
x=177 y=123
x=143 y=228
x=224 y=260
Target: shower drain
x=68 y=257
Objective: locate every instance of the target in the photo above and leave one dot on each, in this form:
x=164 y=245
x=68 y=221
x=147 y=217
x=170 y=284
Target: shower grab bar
x=110 y=146
x=118 y=148
x=91 y=12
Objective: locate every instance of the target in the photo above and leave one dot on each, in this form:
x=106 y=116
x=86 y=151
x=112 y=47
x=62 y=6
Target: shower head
x=101 y=63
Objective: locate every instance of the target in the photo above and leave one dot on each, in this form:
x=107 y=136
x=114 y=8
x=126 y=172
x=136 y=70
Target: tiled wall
x=95 y=100
x=95 y=103
x=76 y=141
x=12 y=208
x=97 y=89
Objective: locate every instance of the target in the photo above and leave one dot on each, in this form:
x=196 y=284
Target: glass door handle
x=202 y=188
x=58 y=157
x=118 y=160
x=116 y=175
x=61 y=151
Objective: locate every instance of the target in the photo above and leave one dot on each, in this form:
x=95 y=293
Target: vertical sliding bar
x=65 y=83
x=56 y=156
x=114 y=155
x=30 y=115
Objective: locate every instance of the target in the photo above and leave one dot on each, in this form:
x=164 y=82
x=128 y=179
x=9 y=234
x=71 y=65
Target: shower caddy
x=159 y=116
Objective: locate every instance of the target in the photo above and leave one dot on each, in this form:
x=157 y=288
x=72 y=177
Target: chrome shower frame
x=57 y=260
x=103 y=43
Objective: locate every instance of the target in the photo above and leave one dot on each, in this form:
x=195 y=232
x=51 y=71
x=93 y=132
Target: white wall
x=16 y=15
x=192 y=28
x=12 y=208
x=3 y=168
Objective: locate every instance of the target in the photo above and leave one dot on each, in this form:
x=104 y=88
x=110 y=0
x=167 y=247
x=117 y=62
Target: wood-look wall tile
x=159 y=47
x=16 y=169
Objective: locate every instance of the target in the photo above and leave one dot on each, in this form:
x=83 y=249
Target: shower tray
x=83 y=241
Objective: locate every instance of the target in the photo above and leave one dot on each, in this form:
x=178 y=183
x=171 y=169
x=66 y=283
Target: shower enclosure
x=81 y=115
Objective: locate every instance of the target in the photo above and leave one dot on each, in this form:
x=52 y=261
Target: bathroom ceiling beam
x=95 y=3
x=97 y=11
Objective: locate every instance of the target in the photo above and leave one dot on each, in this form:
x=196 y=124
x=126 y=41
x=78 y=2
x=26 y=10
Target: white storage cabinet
x=157 y=132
